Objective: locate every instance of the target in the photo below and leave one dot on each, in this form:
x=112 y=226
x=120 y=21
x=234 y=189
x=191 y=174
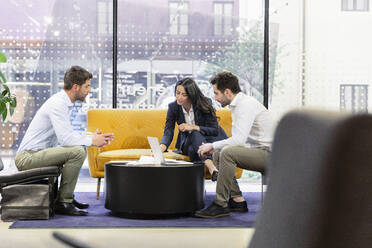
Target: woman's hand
x=187 y=127
x=163 y=147
x=205 y=149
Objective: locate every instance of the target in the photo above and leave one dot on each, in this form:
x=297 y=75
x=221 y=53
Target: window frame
x=353 y=99
x=223 y=17
x=178 y=14
x=107 y=25
x=345 y=3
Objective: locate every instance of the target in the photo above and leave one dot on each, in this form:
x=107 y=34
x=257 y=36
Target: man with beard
x=50 y=140
x=247 y=148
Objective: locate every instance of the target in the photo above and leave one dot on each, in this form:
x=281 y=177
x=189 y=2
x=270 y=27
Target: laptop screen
x=156 y=150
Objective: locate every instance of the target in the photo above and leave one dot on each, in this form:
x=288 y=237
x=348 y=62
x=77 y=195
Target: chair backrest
x=319 y=193
x=1 y=165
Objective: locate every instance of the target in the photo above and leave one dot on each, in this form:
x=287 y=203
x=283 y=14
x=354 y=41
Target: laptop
x=158 y=155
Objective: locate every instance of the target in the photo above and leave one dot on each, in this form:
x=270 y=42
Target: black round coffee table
x=153 y=189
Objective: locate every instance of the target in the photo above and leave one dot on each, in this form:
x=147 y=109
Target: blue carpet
x=100 y=217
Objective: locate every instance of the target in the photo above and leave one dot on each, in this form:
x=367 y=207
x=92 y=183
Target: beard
x=80 y=96
x=224 y=102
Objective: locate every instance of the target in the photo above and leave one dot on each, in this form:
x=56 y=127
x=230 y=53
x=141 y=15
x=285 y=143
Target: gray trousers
x=71 y=157
x=227 y=160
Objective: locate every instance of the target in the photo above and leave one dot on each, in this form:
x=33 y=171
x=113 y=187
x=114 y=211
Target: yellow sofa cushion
x=132 y=154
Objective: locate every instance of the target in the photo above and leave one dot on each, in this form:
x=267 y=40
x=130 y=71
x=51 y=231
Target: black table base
x=154 y=191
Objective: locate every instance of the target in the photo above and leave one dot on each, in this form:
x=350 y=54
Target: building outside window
x=354 y=98
x=104 y=17
x=223 y=18
x=178 y=18
x=355 y=5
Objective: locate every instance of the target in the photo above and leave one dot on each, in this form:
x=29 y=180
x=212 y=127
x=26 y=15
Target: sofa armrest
x=93 y=152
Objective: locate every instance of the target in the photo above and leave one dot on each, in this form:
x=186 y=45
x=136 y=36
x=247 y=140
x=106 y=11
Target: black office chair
x=46 y=175
x=319 y=194
x=1 y=165
x=263 y=182
x=67 y=240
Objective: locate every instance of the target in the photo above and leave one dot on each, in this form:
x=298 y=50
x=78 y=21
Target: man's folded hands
x=101 y=139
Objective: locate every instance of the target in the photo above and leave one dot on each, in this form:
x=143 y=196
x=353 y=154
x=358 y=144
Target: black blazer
x=206 y=121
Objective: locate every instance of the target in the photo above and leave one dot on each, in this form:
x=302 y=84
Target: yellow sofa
x=131 y=128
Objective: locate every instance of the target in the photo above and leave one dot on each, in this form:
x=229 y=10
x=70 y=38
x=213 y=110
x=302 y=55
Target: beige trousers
x=71 y=157
x=227 y=160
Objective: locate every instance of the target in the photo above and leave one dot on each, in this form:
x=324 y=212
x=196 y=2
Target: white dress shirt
x=189 y=117
x=252 y=124
x=51 y=126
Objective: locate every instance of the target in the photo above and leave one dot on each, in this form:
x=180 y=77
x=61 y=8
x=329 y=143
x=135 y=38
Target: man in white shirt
x=247 y=148
x=50 y=140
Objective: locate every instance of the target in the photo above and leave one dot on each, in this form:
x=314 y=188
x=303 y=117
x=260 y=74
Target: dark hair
x=226 y=80
x=76 y=75
x=197 y=98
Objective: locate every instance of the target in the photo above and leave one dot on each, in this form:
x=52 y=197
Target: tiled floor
x=129 y=237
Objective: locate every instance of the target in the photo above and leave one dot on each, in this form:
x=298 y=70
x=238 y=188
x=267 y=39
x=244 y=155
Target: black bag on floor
x=25 y=202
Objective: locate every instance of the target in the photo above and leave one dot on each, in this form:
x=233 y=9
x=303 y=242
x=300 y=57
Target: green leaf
x=4 y=114
x=11 y=110
x=4 y=93
x=6 y=88
x=3 y=79
x=13 y=102
x=2 y=58
x=2 y=107
x=3 y=110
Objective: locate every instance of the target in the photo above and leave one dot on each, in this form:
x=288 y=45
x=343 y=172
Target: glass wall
x=161 y=42
x=41 y=40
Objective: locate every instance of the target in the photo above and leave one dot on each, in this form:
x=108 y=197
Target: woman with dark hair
x=197 y=123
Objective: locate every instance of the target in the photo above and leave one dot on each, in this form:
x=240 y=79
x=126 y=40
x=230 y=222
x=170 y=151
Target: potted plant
x=7 y=100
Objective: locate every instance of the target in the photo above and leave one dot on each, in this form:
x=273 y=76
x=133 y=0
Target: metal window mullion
x=266 y=55
x=178 y=21
x=114 y=53
x=223 y=19
x=353 y=99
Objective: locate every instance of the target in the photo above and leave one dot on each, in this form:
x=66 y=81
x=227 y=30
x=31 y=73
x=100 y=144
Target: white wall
x=338 y=51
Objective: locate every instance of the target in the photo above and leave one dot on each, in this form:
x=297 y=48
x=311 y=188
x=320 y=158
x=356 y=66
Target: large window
x=41 y=40
x=223 y=18
x=179 y=18
x=159 y=42
x=180 y=42
x=355 y=5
